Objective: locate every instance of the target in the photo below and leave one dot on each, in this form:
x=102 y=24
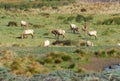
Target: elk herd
x=56 y=32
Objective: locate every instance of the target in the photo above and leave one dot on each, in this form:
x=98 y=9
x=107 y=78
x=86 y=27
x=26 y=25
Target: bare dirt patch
x=98 y=64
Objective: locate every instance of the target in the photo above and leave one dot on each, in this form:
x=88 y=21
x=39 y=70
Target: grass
x=108 y=37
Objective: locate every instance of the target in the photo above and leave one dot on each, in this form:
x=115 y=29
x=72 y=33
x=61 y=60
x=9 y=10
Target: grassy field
x=38 y=59
x=107 y=34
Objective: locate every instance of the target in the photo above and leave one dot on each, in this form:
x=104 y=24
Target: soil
x=98 y=64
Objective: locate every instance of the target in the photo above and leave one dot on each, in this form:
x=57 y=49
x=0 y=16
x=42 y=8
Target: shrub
x=112 y=52
x=48 y=59
x=71 y=65
x=83 y=10
x=80 y=51
x=66 y=58
x=58 y=61
x=80 y=70
x=80 y=18
x=83 y=43
x=65 y=42
x=100 y=53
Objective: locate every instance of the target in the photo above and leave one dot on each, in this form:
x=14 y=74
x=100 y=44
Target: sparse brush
x=80 y=51
x=100 y=53
x=112 y=52
x=48 y=59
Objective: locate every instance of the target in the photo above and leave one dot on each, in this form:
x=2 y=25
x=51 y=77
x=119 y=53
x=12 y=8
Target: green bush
x=112 y=52
x=71 y=65
x=80 y=18
x=80 y=51
x=66 y=58
x=100 y=53
x=58 y=61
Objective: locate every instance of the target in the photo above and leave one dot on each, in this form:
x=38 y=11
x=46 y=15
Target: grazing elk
x=27 y=32
x=89 y=43
x=46 y=43
x=93 y=33
x=74 y=28
x=58 y=33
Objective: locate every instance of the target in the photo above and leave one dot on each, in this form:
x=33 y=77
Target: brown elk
x=58 y=32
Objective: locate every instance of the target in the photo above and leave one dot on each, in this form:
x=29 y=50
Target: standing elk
x=58 y=33
x=24 y=24
x=27 y=32
x=93 y=33
x=74 y=28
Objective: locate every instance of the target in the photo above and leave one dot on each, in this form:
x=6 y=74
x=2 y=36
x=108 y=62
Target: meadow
x=27 y=57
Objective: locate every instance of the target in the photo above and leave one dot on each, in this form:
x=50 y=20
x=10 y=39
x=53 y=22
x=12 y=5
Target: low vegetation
x=27 y=57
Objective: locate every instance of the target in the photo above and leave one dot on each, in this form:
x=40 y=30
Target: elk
x=58 y=32
x=93 y=33
x=46 y=43
x=89 y=43
x=74 y=28
x=27 y=32
x=23 y=24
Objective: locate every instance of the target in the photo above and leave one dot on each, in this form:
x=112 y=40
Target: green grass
x=108 y=36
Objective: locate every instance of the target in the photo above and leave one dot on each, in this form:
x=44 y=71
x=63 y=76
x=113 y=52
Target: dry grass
x=103 y=8
x=11 y=1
